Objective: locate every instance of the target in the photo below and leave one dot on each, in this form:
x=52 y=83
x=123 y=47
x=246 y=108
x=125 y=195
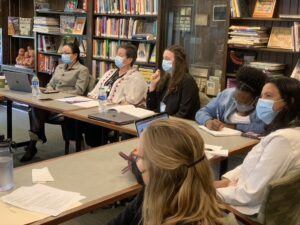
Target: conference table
x=94 y=173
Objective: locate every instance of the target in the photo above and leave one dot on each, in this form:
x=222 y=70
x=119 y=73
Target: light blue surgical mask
x=66 y=59
x=264 y=110
x=119 y=61
x=167 y=66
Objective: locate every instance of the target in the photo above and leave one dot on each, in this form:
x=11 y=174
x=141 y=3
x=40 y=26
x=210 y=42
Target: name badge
x=162 y=107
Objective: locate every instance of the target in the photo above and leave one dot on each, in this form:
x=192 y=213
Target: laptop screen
x=144 y=123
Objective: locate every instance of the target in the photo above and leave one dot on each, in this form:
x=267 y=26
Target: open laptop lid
x=144 y=123
x=18 y=81
x=114 y=117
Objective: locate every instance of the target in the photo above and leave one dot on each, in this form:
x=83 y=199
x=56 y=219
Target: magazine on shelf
x=79 y=25
x=67 y=24
x=71 y=5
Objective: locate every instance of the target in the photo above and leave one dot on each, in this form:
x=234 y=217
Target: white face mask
x=167 y=66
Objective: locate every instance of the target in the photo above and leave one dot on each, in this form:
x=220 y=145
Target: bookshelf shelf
x=262 y=49
x=264 y=19
x=49 y=53
x=60 y=34
x=22 y=37
x=125 y=15
x=58 y=12
x=125 y=39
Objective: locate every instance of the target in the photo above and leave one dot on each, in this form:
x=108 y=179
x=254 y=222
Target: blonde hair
x=179 y=191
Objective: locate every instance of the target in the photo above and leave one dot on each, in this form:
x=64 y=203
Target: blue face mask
x=119 y=62
x=66 y=59
x=167 y=66
x=264 y=110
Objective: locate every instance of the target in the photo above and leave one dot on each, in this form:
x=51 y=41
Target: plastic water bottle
x=6 y=165
x=35 y=86
x=102 y=98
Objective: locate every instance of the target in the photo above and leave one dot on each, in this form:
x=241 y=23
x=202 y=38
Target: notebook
x=222 y=133
x=142 y=124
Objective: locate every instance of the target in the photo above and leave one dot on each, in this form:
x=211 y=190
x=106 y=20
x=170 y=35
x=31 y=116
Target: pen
x=69 y=96
x=218 y=115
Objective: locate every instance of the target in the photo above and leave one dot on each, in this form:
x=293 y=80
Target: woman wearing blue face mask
x=71 y=77
x=235 y=107
x=125 y=85
x=175 y=92
x=276 y=155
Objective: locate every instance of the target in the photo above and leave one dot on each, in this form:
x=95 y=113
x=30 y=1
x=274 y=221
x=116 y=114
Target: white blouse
x=131 y=88
x=275 y=156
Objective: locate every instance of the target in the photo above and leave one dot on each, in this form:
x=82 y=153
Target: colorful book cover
x=67 y=24
x=79 y=25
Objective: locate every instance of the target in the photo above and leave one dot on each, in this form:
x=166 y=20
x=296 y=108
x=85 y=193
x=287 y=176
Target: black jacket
x=132 y=214
x=183 y=103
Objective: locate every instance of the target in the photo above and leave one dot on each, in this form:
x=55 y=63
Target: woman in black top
x=175 y=92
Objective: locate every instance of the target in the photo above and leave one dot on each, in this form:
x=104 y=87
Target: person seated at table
x=125 y=85
x=235 y=107
x=174 y=91
x=276 y=155
x=71 y=77
x=178 y=180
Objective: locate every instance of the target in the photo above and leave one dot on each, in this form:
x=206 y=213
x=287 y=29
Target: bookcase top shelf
x=125 y=15
x=125 y=39
x=59 y=12
x=60 y=34
x=262 y=49
x=265 y=19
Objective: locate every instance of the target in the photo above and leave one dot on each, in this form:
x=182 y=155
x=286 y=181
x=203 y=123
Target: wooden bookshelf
x=150 y=18
x=265 y=54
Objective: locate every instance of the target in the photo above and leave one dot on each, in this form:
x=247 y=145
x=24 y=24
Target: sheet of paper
x=41 y=175
x=215 y=150
x=15 y=216
x=222 y=133
x=42 y=199
x=133 y=111
x=74 y=100
x=87 y=104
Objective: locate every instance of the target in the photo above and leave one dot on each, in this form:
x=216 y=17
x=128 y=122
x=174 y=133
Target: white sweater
x=131 y=88
x=275 y=156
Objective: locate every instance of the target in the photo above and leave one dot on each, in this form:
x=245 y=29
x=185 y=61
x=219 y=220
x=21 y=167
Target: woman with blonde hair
x=178 y=181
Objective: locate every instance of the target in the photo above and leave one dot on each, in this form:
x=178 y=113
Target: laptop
x=18 y=81
x=114 y=117
x=142 y=124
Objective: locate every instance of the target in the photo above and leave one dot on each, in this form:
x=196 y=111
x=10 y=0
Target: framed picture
x=219 y=13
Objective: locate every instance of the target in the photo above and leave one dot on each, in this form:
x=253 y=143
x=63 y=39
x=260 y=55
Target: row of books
x=125 y=28
x=52 y=44
x=66 y=24
x=100 y=67
x=132 y=7
x=19 y=26
x=269 y=68
x=47 y=64
x=106 y=49
x=280 y=37
x=262 y=9
x=248 y=36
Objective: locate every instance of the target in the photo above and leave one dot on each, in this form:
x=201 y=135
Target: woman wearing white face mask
x=276 y=155
x=175 y=92
x=125 y=85
x=71 y=77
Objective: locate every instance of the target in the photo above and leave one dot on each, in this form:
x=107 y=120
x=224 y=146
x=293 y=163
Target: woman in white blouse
x=125 y=85
x=276 y=155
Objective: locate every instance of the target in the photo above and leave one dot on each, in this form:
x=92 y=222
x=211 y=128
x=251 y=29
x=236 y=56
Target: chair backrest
x=282 y=201
x=91 y=85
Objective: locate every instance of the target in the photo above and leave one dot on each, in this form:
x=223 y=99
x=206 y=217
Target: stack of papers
x=42 y=199
x=80 y=101
x=222 y=133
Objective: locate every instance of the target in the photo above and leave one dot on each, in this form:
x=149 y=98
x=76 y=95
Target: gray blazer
x=73 y=80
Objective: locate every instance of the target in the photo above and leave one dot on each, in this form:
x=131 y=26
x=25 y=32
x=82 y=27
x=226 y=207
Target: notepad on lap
x=222 y=133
